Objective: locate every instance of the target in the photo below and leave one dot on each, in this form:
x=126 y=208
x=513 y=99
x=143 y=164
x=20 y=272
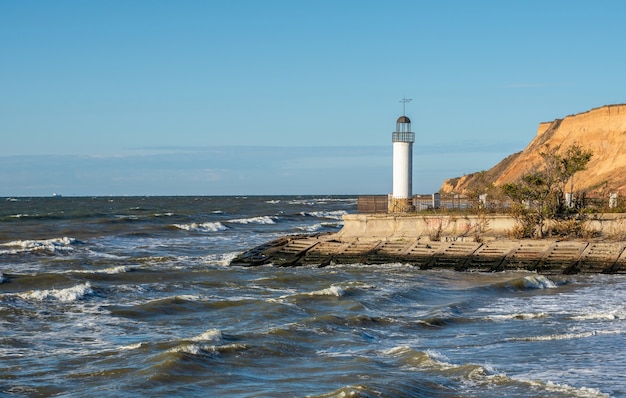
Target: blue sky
x=287 y=97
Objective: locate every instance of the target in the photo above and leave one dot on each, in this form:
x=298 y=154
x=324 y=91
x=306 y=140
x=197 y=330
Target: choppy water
x=134 y=297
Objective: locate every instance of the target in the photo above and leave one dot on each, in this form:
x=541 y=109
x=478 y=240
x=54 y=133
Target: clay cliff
x=601 y=130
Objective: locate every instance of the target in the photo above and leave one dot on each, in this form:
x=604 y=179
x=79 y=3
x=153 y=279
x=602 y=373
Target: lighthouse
x=401 y=200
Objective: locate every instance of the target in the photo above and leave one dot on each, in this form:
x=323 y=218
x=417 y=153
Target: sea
x=136 y=297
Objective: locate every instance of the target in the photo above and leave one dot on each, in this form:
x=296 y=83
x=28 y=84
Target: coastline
x=461 y=243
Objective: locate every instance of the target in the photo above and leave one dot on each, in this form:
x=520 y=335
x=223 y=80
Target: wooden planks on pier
x=544 y=256
x=526 y=255
x=454 y=255
x=490 y=256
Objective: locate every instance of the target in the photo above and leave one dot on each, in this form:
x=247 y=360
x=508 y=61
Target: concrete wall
x=378 y=226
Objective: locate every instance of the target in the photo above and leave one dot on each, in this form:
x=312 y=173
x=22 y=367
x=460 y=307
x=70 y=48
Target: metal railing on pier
x=456 y=202
x=373 y=204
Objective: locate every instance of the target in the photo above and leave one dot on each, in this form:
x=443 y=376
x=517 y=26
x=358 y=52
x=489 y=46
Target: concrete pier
x=443 y=242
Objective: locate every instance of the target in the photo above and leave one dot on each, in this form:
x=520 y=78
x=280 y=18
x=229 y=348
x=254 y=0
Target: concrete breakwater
x=446 y=242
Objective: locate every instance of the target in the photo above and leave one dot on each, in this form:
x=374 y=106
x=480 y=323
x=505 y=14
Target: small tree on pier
x=539 y=195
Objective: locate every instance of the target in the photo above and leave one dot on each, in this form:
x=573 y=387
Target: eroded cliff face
x=601 y=130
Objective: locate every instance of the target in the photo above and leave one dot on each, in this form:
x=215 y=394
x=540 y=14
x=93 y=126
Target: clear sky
x=235 y=97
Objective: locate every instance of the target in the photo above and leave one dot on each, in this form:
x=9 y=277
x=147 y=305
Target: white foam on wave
x=317 y=227
x=192 y=349
x=255 y=220
x=222 y=259
x=211 y=349
x=438 y=357
x=521 y=316
x=120 y=269
x=334 y=290
x=334 y=215
x=273 y=202
x=398 y=350
x=202 y=227
x=310 y=228
x=54 y=245
x=131 y=347
x=550 y=337
x=601 y=316
x=422 y=359
x=127 y=217
x=68 y=295
x=564 y=389
x=473 y=374
x=167 y=214
x=582 y=392
x=321 y=201
x=538 y=282
x=211 y=335
x=483 y=375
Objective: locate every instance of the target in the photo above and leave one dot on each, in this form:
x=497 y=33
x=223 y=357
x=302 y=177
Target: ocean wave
x=335 y=214
x=211 y=335
x=334 y=290
x=206 y=349
x=168 y=214
x=131 y=347
x=202 y=227
x=420 y=359
x=582 y=392
x=441 y=320
x=307 y=202
x=222 y=259
x=55 y=245
x=120 y=269
x=538 y=282
x=192 y=349
x=68 y=295
x=317 y=227
x=322 y=201
x=131 y=217
x=255 y=220
x=551 y=337
x=600 y=316
x=2 y=278
x=527 y=282
x=172 y=305
x=480 y=375
x=521 y=316
x=310 y=228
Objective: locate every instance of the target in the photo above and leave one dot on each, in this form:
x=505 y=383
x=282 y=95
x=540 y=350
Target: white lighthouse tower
x=401 y=200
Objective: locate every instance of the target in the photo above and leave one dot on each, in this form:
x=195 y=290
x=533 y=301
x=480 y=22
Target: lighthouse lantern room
x=401 y=199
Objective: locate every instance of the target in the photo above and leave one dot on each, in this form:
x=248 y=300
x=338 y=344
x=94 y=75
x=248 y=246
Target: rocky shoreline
x=379 y=239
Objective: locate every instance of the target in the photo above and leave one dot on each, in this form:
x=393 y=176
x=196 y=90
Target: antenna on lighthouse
x=404 y=100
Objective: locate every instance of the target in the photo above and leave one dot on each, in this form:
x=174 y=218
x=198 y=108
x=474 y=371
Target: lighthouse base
x=400 y=205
